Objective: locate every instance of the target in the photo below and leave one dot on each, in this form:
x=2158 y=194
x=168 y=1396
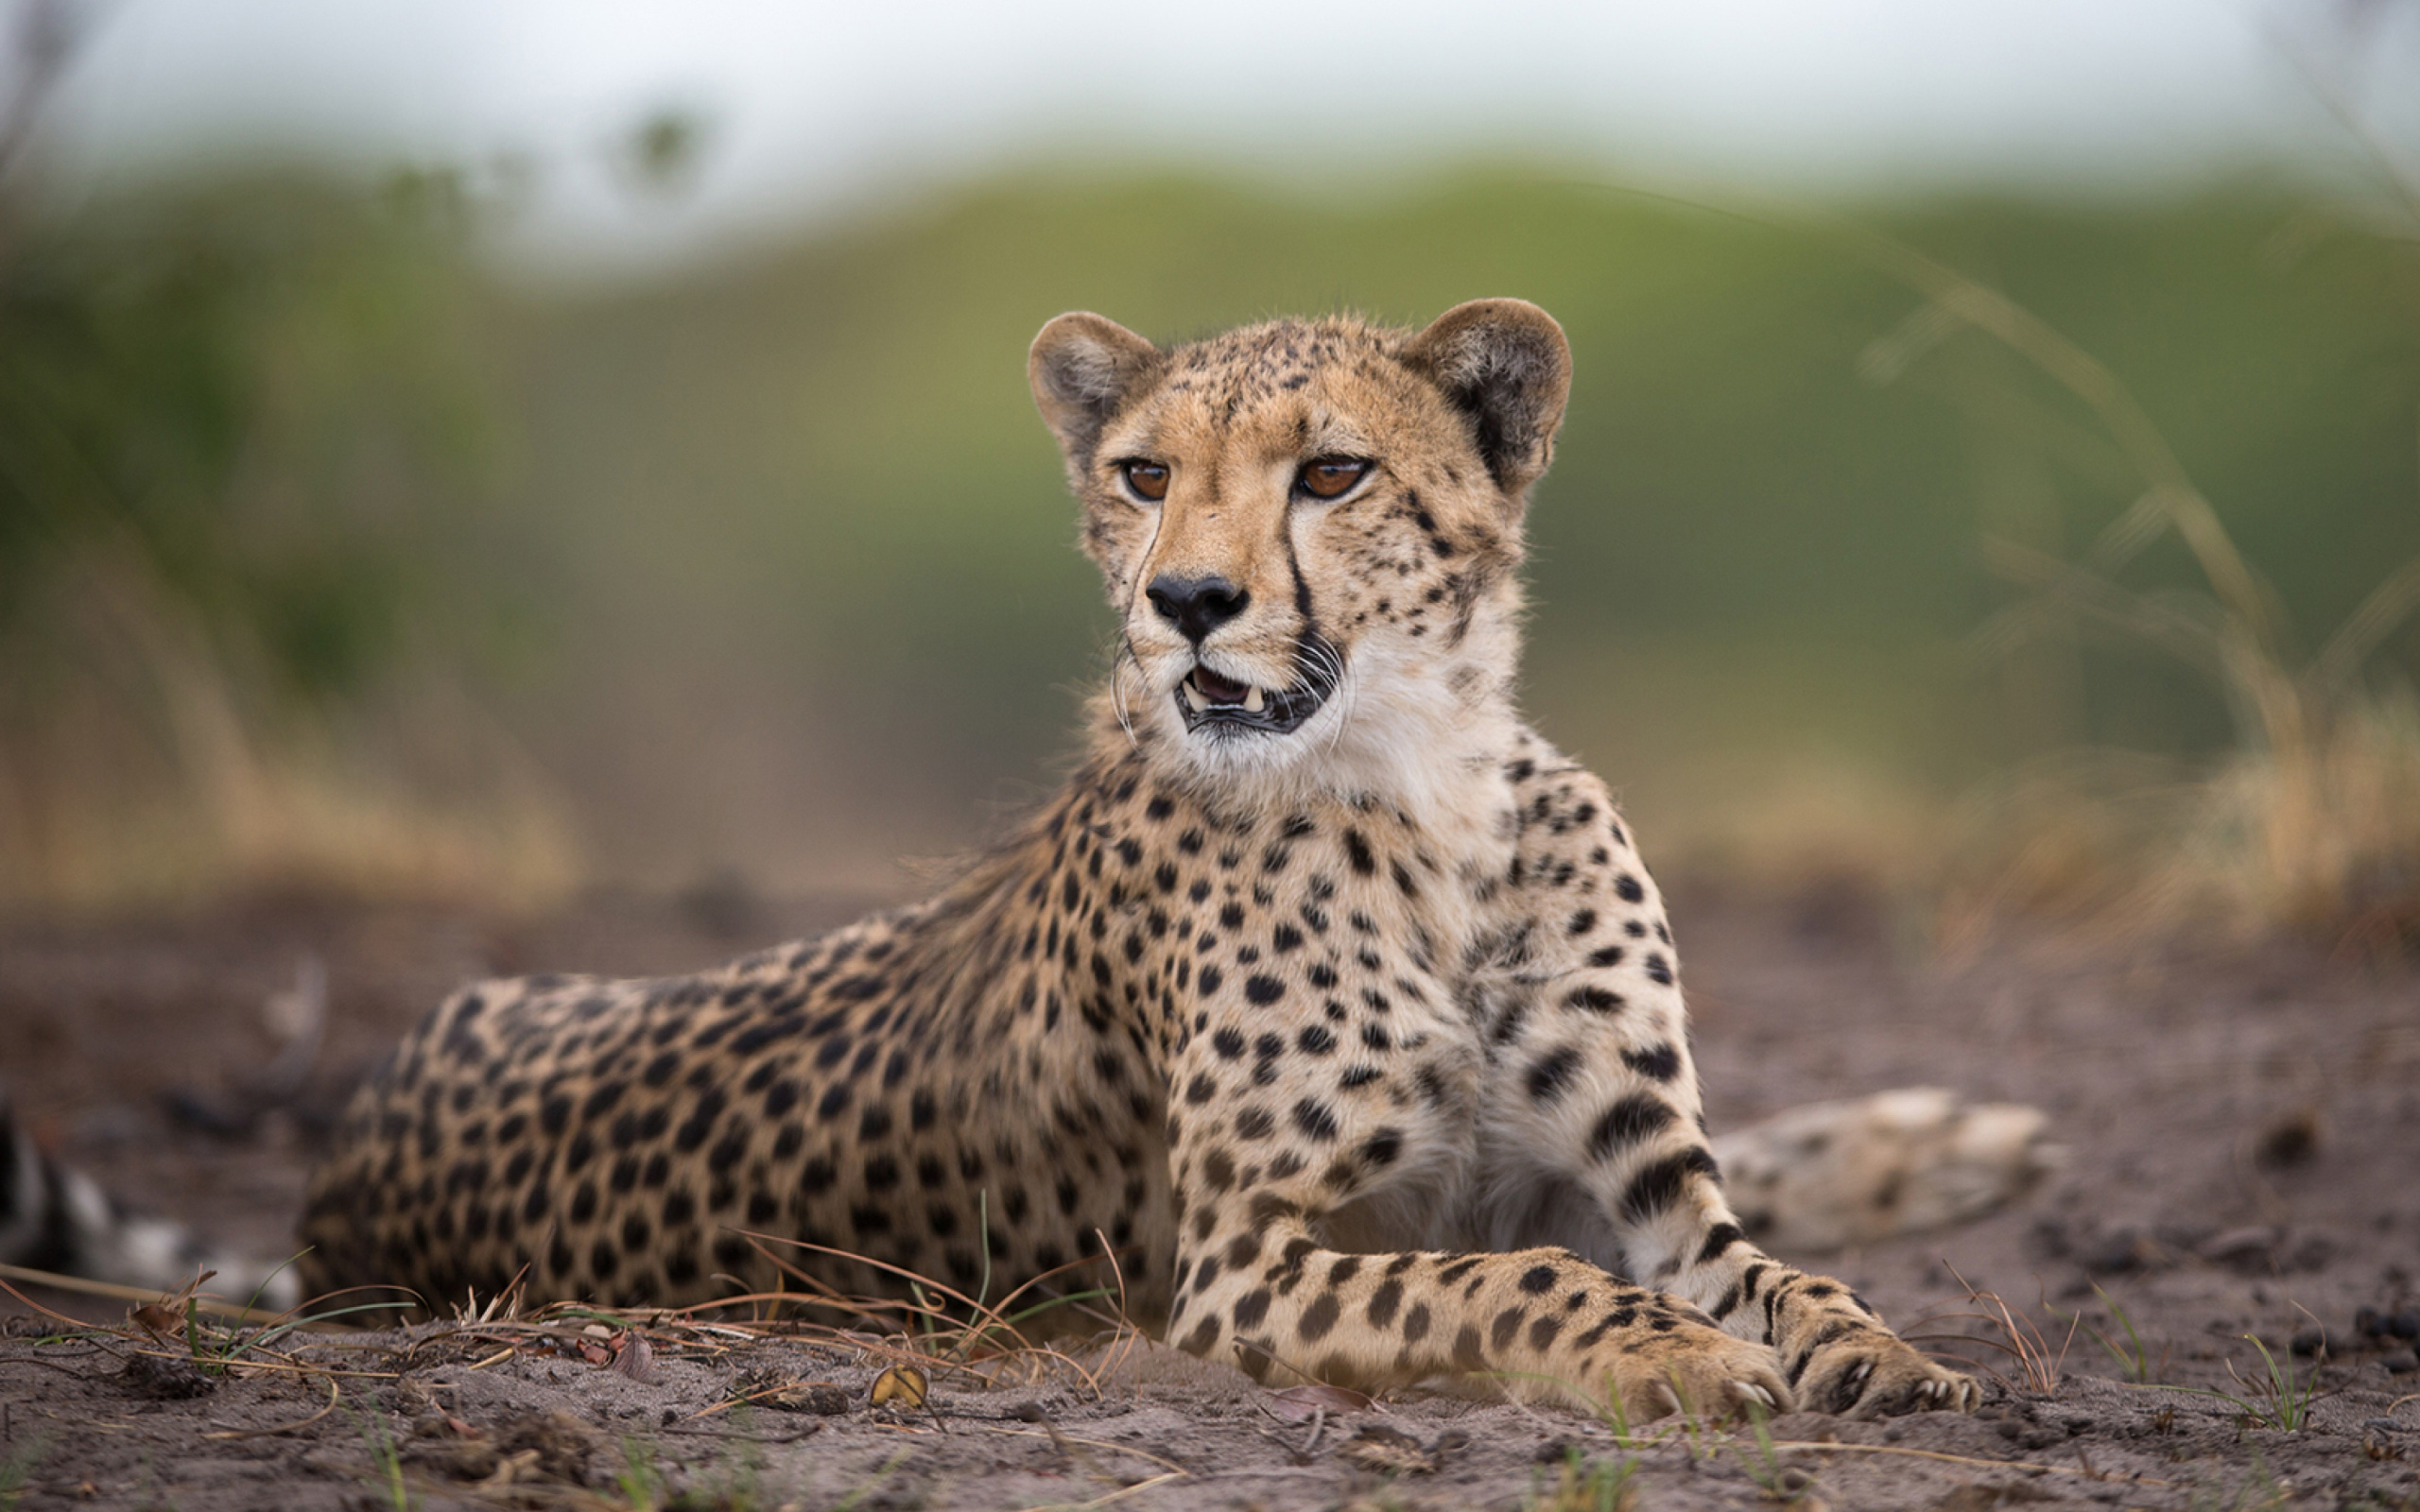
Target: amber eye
x=1149 y=479
x=1330 y=477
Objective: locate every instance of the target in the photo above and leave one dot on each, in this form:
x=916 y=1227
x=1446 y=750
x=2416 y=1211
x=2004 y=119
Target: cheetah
x=1326 y=996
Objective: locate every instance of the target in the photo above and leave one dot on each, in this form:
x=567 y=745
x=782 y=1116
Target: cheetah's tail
x=56 y=1218
x=1832 y=1174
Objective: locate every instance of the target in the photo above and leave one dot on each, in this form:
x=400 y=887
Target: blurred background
x=501 y=455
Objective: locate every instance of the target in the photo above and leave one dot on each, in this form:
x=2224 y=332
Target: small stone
x=2290 y=1138
x=2240 y=1246
x=2401 y=1325
x=2309 y=1342
x=2401 y=1364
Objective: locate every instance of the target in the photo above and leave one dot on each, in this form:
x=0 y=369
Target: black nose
x=1196 y=604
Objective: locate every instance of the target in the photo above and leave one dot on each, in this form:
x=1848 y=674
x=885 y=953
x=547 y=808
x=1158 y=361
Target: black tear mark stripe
x=1302 y=584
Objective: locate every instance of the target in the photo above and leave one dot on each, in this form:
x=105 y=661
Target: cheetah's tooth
x=1193 y=695
x=1253 y=702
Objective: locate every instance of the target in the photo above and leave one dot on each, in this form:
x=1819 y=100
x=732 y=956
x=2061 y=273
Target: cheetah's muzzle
x=1210 y=701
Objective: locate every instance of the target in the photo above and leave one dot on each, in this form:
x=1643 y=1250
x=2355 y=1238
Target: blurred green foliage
x=264 y=398
x=791 y=525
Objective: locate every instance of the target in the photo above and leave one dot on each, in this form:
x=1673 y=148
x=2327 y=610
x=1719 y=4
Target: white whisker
x=1117 y=687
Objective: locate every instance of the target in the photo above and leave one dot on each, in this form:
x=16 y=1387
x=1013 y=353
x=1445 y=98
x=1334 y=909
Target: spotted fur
x=1361 y=1044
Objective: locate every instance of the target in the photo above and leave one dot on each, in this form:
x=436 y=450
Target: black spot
x=1656 y=969
x=1415 y=1323
x=1584 y=921
x=1316 y=1039
x=1720 y=1237
x=1553 y=1073
x=1262 y=989
x=1657 y=1188
x=1594 y=999
x=1229 y=1042
x=1538 y=1279
x=728 y=1151
x=1315 y=1119
x=1605 y=955
x=1626 y=887
x=1628 y=1121
x=1253 y=1308
x=1384 y=1301
x=1319 y=1318
x=1657 y=1063
x=1356 y=852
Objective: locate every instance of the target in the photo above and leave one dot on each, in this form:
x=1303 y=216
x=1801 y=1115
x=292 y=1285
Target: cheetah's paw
x=1874 y=1374
x=1701 y=1372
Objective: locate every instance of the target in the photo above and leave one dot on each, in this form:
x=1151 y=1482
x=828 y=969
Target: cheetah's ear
x=1504 y=364
x=1083 y=366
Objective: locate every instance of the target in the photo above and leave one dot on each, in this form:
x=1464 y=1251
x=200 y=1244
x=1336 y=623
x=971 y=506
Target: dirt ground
x=2243 y=1136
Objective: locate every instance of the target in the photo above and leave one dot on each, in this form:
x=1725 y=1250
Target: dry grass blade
x=2312 y=817
x=137 y=1295
x=2024 y=1342
x=958 y=1343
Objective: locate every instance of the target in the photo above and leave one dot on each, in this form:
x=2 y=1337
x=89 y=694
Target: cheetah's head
x=1309 y=528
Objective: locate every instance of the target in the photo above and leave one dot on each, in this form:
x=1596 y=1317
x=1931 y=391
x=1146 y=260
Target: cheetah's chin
x=1210 y=701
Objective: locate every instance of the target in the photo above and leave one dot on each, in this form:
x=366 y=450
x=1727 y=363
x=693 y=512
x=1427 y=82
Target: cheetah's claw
x=1872 y=1374
x=1704 y=1372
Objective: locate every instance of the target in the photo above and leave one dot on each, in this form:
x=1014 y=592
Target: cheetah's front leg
x=1593 y=1082
x=1541 y=1322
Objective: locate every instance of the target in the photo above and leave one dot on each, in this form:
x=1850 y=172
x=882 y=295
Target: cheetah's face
x=1306 y=526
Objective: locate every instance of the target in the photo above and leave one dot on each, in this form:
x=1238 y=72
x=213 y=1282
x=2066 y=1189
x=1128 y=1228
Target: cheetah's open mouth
x=1208 y=698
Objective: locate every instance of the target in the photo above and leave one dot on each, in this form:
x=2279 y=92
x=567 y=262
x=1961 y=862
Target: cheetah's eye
x=1150 y=480
x=1330 y=477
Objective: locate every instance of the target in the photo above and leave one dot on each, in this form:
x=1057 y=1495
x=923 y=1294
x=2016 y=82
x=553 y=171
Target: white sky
x=816 y=103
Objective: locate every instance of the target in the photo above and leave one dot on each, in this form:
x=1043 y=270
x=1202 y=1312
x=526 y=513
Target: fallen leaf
x=635 y=1360
x=1300 y=1404
x=593 y=1352
x=901 y=1383
x=161 y=1320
